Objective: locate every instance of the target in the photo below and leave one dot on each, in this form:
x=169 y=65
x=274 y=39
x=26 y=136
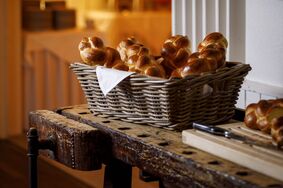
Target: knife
x=218 y=131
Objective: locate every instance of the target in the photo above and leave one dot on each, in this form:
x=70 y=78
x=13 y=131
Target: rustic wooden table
x=82 y=141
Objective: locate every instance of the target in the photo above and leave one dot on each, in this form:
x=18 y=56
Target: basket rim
x=151 y=79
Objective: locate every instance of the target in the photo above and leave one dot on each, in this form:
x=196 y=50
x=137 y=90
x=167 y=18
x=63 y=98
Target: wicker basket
x=172 y=104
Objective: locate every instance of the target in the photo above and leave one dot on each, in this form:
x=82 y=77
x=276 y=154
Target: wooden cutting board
x=265 y=161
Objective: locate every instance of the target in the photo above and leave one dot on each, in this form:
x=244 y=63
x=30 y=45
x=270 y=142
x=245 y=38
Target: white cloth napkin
x=109 y=78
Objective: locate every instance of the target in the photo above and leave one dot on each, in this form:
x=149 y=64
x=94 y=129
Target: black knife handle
x=210 y=129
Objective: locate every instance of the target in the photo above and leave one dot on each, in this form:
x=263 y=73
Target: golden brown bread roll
x=131 y=63
x=130 y=50
x=167 y=65
x=93 y=56
x=211 y=53
x=90 y=42
x=124 y=45
x=195 y=66
x=137 y=57
x=266 y=115
x=120 y=65
x=130 y=47
x=179 y=41
x=145 y=64
x=264 y=107
x=113 y=60
x=250 y=116
x=175 y=51
x=90 y=50
x=213 y=40
x=111 y=56
x=259 y=115
x=277 y=130
x=214 y=45
x=137 y=49
x=93 y=52
x=194 y=55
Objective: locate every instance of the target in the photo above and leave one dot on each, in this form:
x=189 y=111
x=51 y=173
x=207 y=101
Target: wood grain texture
x=77 y=145
x=162 y=154
x=156 y=151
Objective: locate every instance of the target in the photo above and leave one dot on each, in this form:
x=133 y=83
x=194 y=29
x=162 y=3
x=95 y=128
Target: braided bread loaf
x=175 y=52
x=130 y=47
x=213 y=40
x=267 y=116
x=277 y=130
x=214 y=45
x=133 y=52
x=90 y=50
x=137 y=57
x=148 y=66
x=210 y=56
x=195 y=66
x=176 y=59
x=93 y=52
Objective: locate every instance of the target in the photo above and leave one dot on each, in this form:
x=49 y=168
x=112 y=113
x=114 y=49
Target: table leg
x=33 y=146
x=32 y=155
x=118 y=174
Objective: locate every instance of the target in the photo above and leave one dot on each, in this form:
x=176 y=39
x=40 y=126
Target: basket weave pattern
x=172 y=104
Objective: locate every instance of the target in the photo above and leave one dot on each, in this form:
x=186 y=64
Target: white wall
x=254 y=29
x=197 y=18
x=264 y=41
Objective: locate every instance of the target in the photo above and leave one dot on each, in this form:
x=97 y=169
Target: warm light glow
x=42 y=5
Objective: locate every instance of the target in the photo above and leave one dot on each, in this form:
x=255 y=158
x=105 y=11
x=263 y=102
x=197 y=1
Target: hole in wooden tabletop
x=242 y=173
x=124 y=128
x=214 y=162
x=163 y=144
x=188 y=152
x=143 y=135
x=275 y=185
x=83 y=113
x=106 y=121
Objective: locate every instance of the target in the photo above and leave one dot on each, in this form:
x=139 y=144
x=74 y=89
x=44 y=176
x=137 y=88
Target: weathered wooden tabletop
x=85 y=141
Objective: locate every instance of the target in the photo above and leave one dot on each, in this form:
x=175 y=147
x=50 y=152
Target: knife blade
x=218 y=131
